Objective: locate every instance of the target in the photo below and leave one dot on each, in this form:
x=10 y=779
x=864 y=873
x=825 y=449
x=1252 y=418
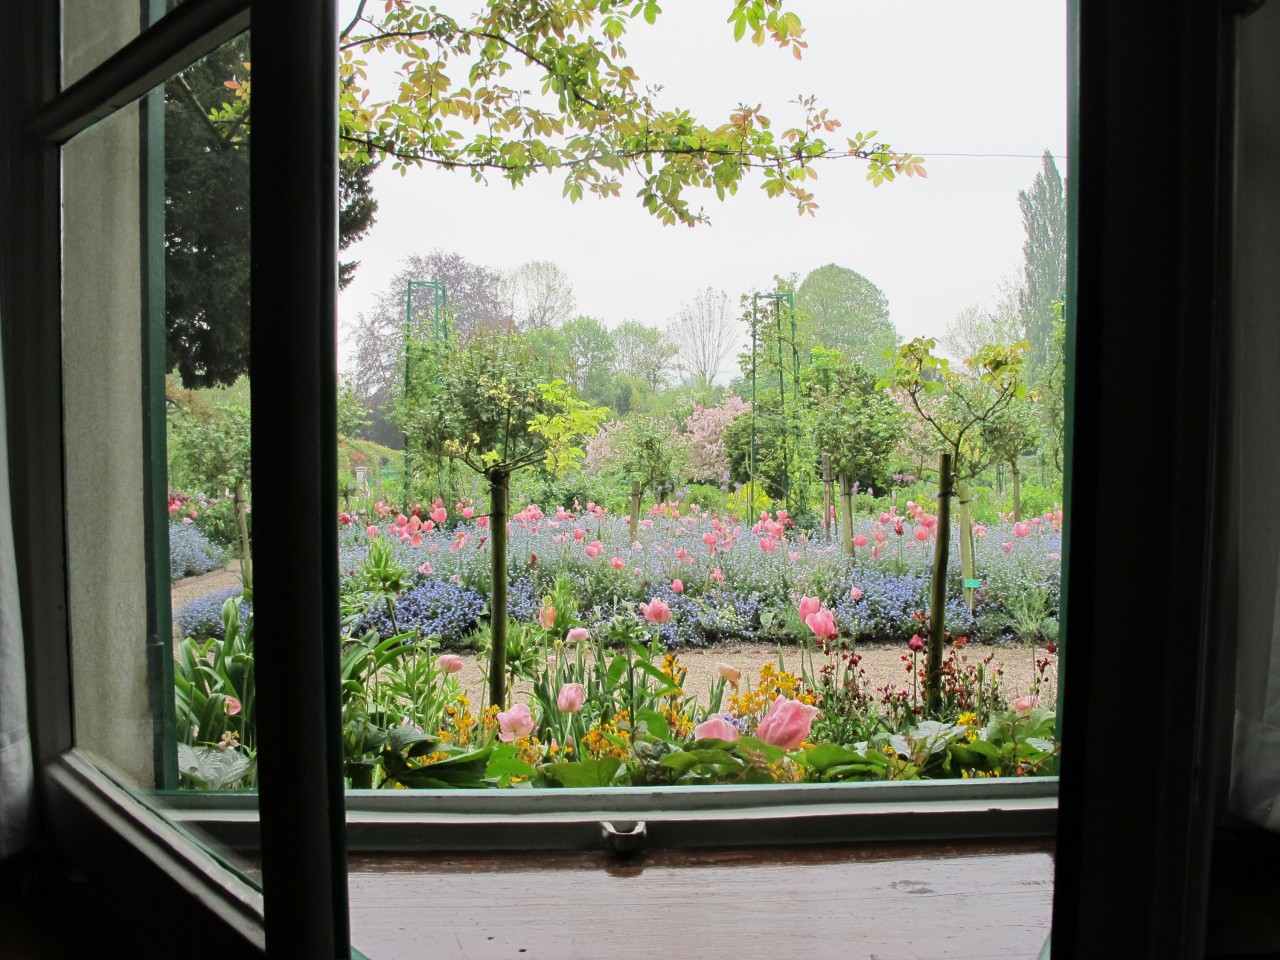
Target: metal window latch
x=624 y=837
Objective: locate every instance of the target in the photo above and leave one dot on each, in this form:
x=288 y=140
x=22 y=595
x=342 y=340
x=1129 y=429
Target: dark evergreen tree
x=207 y=221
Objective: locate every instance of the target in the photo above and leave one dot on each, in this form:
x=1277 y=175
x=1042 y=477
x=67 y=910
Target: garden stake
x=964 y=495
x=636 y=493
x=827 y=519
x=938 y=599
x=846 y=515
x=499 y=486
x=241 y=498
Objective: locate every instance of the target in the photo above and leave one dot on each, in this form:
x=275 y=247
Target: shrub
x=191 y=553
x=201 y=619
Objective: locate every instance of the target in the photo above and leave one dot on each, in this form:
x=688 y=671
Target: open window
x=1158 y=824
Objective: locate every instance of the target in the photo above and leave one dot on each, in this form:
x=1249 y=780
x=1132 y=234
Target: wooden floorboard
x=960 y=901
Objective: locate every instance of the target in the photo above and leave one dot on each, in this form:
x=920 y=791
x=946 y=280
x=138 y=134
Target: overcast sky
x=978 y=88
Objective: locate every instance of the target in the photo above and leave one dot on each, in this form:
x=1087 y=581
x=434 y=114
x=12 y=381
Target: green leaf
x=581 y=773
x=656 y=724
x=211 y=768
x=826 y=755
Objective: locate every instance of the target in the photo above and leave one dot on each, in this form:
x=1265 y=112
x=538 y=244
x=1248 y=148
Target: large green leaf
x=211 y=768
x=581 y=773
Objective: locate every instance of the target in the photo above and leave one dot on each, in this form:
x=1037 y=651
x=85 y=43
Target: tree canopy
x=207 y=218
x=547 y=87
x=847 y=312
x=1044 y=217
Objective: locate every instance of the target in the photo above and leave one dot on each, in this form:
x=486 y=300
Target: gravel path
x=883 y=664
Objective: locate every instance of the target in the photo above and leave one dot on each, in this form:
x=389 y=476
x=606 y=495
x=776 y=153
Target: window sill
x=674 y=817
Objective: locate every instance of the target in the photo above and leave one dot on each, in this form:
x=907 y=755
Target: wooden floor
x=886 y=902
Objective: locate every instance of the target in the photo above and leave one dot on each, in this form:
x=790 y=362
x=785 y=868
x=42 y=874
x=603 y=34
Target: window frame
x=1121 y=100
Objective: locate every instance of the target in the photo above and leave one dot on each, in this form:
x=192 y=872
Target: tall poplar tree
x=1044 y=217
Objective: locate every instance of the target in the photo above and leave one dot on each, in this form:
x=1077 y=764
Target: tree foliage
x=486 y=407
x=981 y=324
x=1044 y=218
x=858 y=425
x=540 y=295
x=474 y=305
x=207 y=217
x=847 y=312
x=547 y=87
x=991 y=381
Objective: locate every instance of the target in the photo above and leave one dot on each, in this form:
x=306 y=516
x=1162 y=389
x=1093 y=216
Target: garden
x=772 y=542
x=548 y=644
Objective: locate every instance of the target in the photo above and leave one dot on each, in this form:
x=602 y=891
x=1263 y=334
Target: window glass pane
x=156 y=279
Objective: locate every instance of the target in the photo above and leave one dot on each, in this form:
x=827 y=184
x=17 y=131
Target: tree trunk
x=828 y=525
x=938 y=597
x=846 y=515
x=636 y=493
x=241 y=497
x=1017 y=490
x=499 y=487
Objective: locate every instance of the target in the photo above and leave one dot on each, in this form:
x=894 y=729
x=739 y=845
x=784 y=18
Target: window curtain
x=1255 y=466
x=17 y=782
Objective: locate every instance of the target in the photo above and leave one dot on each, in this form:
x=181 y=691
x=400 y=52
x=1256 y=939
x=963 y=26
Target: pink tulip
x=571 y=698
x=1021 y=529
x=371 y=530
x=547 y=617
x=915 y=643
x=786 y=724
x=677 y=585
x=716 y=728
x=717 y=575
x=860 y=540
x=515 y=723
x=425 y=569
x=793 y=555
x=922 y=533
x=577 y=635
x=768 y=544
x=1025 y=704
x=1007 y=546
x=656 y=611
x=231 y=705
x=449 y=663
x=979 y=531
x=618 y=563
x=467 y=513
x=709 y=539
x=809 y=605
x=855 y=594
x=593 y=550
x=822 y=623
x=579 y=533
x=483 y=521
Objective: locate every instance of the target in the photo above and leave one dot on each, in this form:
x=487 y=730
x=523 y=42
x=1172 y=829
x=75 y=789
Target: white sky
x=934 y=77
